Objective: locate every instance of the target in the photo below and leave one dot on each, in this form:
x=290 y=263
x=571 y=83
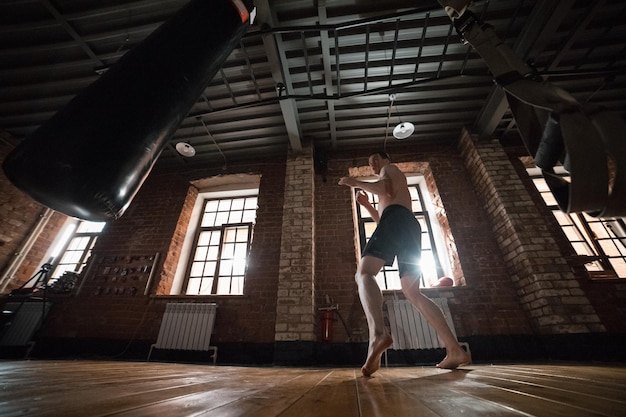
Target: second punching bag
x=90 y=159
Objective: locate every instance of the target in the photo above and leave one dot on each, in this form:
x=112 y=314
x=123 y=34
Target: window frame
x=199 y=229
x=596 y=262
x=62 y=243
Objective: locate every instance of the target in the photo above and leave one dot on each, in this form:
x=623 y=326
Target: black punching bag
x=90 y=159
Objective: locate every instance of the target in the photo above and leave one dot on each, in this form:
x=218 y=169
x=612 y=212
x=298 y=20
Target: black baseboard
x=598 y=347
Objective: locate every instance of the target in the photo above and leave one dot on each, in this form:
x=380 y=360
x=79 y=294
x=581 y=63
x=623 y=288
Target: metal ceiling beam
x=328 y=75
x=280 y=75
x=542 y=24
x=581 y=25
x=70 y=30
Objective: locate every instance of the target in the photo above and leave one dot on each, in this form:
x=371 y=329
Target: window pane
x=581 y=248
x=230 y=235
x=237 y=285
x=248 y=216
x=369 y=229
x=71 y=257
x=213 y=252
x=561 y=217
x=429 y=267
x=235 y=216
x=228 y=251
x=193 y=286
x=197 y=269
x=619 y=265
x=204 y=238
x=62 y=269
x=211 y=205
x=609 y=248
x=598 y=229
x=416 y=203
x=201 y=253
x=90 y=227
x=226 y=267
x=426 y=244
x=215 y=238
x=208 y=220
x=251 y=203
x=237 y=204
x=541 y=185
x=221 y=218
x=571 y=233
x=241 y=250
x=209 y=269
x=239 y=266
x=207 y=286
x=223 y=286
x=78 y=243
x=224 y=205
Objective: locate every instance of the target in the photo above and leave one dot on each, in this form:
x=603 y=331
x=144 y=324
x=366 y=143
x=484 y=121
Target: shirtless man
x=398 y=234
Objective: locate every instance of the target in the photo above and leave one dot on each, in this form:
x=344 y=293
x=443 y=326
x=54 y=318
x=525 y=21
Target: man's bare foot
x=454 y=359
x=376 y=350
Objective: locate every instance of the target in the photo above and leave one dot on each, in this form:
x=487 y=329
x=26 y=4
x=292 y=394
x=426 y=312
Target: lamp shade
x=185 y=149
x=403 y=130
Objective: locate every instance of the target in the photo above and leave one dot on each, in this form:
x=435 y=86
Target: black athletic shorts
x=398 y=234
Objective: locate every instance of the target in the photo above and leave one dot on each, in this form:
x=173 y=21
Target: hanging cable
x=392 y=98
x=216 y=145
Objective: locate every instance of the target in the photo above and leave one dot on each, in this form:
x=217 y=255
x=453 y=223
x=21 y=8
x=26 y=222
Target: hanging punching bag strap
x=588 y=145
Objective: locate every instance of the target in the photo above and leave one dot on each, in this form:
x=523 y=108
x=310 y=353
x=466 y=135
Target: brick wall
x=20 y=219
x=547 y=289
x=295 y=311
x=488 y=303
x=336 y=248
x=155 y=223
x=510 y=269
x=173 y=253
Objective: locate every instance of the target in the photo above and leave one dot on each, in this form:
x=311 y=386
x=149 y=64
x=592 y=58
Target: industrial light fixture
x=185 y=149
x=403 y=129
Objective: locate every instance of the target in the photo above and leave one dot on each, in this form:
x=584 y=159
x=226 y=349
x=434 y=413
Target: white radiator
x=25 y=319
x=187 y=326
x=410 y=330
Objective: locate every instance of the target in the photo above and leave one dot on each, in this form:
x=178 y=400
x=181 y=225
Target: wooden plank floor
x=95 y=388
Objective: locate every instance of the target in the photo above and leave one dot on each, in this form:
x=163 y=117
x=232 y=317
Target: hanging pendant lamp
x=403 y=130
x=185 y=149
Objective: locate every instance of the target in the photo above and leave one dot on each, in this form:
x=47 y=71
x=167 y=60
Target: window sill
x=195 y=297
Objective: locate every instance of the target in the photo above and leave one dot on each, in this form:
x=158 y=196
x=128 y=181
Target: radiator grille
x=187 y=326
x=410 y=330
x=24 y=322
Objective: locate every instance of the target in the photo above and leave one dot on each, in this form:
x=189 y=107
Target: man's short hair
x=382 y=154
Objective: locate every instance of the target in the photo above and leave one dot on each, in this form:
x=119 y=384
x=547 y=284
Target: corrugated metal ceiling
x=317 y=71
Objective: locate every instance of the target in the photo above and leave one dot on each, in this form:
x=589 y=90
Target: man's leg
x=372 y=302
x=455 y=354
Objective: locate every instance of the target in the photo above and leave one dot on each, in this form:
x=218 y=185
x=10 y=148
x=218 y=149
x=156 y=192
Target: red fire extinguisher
x=328 y=317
